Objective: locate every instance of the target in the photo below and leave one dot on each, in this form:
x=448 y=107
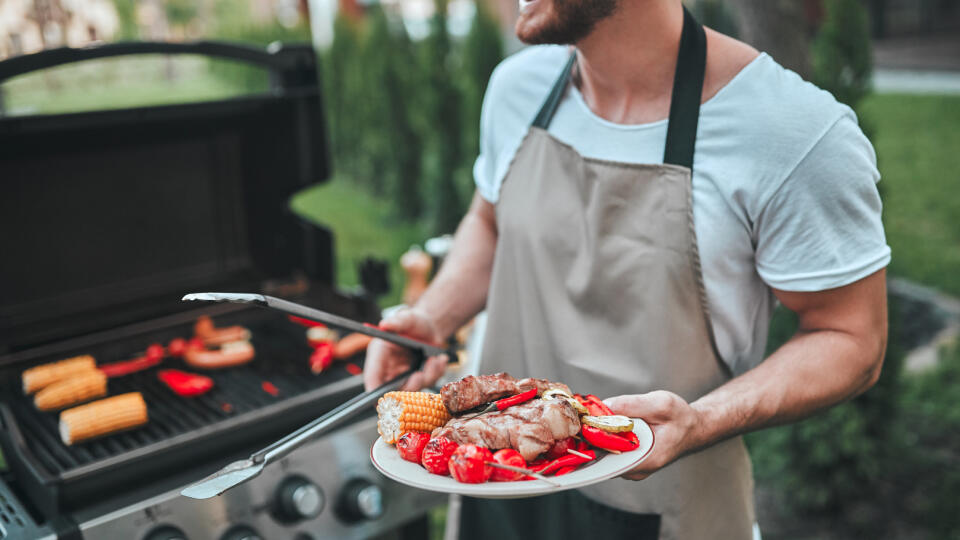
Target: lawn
x=361 y=228
x=917 y=139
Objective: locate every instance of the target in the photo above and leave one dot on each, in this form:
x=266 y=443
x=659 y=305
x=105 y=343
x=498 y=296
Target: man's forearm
x=459 y=291
x=811 y=372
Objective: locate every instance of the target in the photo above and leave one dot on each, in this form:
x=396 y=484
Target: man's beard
x=569 y=22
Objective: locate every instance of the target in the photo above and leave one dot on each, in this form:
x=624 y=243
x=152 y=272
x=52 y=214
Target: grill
x=119 y=213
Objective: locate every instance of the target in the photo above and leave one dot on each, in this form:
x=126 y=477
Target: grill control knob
x=298 y=499
x=359 y=500
x=241 y=532
x=166 y=532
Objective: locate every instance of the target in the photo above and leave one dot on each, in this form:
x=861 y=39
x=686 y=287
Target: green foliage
x=842 y=58
x=403 y=116
x=482 y=51
x=127 y=18
x=716 y=15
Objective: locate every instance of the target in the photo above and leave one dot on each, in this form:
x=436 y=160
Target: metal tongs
x=241 y=471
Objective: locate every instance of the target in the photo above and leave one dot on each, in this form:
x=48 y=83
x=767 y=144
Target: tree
x=482 y=51
x=445 y=146
x=776 y=27
x=842 y=59
x=401 y=84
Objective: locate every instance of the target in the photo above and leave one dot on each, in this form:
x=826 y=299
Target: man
x=604 y=263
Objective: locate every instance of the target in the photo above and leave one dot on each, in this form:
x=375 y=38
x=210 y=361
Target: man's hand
x=675 y=424
x=386 y=360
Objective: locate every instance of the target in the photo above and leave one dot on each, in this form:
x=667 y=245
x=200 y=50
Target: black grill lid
x=109 y=217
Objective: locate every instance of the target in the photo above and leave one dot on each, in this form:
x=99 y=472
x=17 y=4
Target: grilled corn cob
x=400 y=412
x=44 y=375
x=76 y=389
x=102 y=417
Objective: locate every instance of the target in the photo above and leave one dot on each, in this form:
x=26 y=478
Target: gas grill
x=108 y=218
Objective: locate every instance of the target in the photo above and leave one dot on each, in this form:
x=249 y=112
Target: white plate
x=388 y=461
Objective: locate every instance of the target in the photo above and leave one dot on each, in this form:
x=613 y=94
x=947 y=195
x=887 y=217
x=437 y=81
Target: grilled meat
x=472 y=391
x=531 y=428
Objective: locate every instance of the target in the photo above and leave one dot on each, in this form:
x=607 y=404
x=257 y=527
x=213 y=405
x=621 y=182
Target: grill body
x=109 y=217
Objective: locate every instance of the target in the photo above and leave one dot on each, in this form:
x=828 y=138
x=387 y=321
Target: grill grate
x=282 y=359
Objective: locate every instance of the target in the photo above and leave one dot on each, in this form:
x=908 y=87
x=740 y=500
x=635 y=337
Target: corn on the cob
x=400 y=412
x=44 y=375
x=102 y=417
x=80 y=387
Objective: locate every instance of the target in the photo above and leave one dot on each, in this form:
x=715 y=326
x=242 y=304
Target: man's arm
x=835 y=355
x=456 y=294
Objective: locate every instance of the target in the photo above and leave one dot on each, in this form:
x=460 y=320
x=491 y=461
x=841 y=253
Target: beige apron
x=597 y=283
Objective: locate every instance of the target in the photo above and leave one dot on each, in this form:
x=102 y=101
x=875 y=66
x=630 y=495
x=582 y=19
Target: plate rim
x=533 y=487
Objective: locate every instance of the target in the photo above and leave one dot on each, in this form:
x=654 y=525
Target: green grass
x=361 y=228
x=917 y=139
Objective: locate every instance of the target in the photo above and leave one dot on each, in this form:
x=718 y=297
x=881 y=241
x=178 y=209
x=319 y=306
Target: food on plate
x=615 y=442
x=525 y=428
x=102 y=417
x=400 y=412
x=350 y=345
x=561 y=448
x=410 y=446
x=43 y=375
x=230 y=354
x=509 y=457
x=436 y=455
x=213 y=336
x=473 y=391
x=185 y=384
x=80 y=387
x=614 y=423
x=470 y=464
x=531 y=428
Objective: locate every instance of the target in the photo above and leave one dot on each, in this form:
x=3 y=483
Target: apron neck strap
x=684 y=101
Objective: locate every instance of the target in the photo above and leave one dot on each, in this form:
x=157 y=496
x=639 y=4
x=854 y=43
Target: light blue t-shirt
x=784 y=185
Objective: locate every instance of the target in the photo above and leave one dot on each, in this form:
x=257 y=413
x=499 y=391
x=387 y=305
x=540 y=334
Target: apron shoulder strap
x=555 y=96
x=684 y=100
x=687 y=89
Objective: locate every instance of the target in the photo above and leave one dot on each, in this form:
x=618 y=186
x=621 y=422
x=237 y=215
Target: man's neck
x=627 y=62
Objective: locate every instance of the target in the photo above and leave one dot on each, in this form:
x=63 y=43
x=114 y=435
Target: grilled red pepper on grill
x=185 y=384
x=516 y=399
x=177 y=347
x=620 y=442
x=126 y=367
x=270 y=388
x=322 y=357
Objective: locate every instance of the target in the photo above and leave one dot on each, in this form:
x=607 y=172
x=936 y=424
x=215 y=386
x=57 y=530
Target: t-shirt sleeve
x=821 y=229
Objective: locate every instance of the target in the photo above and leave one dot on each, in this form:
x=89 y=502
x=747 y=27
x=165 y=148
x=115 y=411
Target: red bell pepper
x=619 y=442
x=270 y=388
x=570 y=460
x=185 y=384
x=126 y=367
x=322 y=357
x=599 y=404
x=566 y=470
x=516 y=399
